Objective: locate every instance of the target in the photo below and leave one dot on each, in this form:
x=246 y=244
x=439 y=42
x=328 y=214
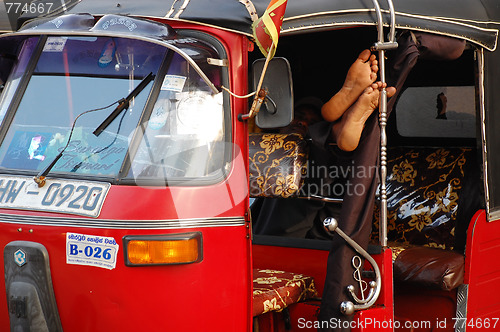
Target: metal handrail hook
x=347 y=307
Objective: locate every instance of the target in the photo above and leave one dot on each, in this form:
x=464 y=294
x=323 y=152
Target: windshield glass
x=70 y=85
x=184 y=134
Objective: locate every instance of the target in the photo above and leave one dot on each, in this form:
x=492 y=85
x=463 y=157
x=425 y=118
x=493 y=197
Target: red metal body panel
x=190 y=297
x=175 y=298
x=136 y=203
x=424 y=310
x=482 y=273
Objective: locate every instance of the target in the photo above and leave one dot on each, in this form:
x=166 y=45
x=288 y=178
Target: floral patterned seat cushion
x=275 y=290
x=277 y=164
x=423 y=187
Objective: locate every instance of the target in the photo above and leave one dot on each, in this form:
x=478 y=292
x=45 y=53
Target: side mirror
x=277 y=109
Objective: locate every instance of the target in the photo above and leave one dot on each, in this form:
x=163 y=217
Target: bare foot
x=347 y=131
x=361 y=74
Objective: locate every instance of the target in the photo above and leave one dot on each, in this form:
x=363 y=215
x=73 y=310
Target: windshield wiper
x=40 y=177
x=123 y=104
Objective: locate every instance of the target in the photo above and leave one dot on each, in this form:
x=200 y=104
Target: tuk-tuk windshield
x=62 y=88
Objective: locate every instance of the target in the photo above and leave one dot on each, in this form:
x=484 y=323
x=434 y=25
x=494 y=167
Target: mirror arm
x=261 y=93
x=256 y=105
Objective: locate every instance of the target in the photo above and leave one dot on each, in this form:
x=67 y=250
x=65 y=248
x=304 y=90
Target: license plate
x=64 y=196
x=91 y=250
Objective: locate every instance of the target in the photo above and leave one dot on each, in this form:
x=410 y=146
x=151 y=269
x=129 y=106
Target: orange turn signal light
x=163 y=249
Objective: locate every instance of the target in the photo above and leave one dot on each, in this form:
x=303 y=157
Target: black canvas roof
x=474 y=20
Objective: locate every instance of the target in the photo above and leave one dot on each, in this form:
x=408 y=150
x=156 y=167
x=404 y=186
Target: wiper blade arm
x=124 y=104
x=40 y=178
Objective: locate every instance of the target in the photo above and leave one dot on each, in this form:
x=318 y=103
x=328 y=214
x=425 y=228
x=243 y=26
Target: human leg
x=361 y=74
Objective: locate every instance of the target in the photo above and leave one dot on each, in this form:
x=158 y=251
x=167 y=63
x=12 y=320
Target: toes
x=391 y=91
x=365 y=55
x=371 y=89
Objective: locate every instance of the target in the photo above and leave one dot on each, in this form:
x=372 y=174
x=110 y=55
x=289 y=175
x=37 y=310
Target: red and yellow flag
x=266 y=30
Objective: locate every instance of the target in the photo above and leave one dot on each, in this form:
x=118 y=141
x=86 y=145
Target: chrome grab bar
x=381 y=46
x=348 y=307
x=391 y=44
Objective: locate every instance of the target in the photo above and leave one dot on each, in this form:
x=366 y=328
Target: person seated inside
x=334 y=134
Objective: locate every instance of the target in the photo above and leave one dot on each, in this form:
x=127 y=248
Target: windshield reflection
x=182 y=126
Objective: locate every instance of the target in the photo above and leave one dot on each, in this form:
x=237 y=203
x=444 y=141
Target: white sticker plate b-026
x=91 y=250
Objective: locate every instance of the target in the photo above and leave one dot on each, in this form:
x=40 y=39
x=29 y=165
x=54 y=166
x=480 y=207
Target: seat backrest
x=423 y=190
x=277 y=164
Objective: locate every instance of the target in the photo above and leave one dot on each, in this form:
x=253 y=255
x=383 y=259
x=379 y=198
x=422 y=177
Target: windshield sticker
x=85 y=153
x=61 y=196
x=27 y=150
x=107 y=54
x=91 y=250
x=173 y=83
x=129 y=24
x=159 y=116
x=55 y=44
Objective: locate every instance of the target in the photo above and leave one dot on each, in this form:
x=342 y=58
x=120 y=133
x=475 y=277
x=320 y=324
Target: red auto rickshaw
x=137 y=138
